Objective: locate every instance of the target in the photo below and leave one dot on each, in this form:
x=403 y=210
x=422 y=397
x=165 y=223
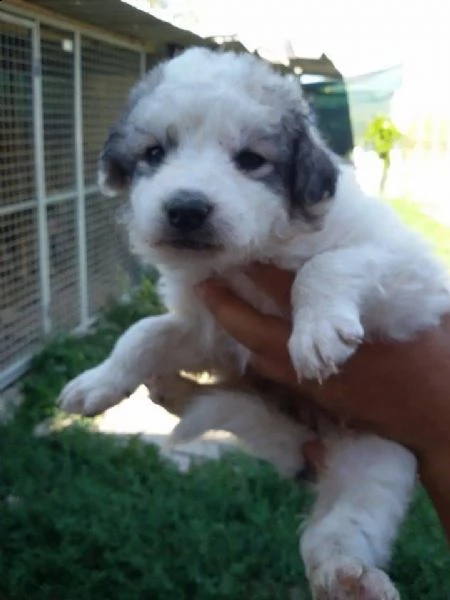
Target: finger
x=245 y=324
x=276 y=368
x=274 y=282
x=314 y=452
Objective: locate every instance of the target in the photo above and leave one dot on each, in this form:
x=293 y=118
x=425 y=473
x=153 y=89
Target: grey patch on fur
x=116 y=163
x=117 y=160
x=307 y=168
x=313 y=177
x=146 y=86
x=305 y=171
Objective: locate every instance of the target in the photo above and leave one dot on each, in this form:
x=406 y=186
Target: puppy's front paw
x=342 y=578
x=320 y=343
x=94 y=391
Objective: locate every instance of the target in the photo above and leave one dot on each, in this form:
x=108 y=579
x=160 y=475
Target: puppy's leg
x=173 y=392
x=327 y=297
x=154 y=345
x=266 y=432
x=364 y=492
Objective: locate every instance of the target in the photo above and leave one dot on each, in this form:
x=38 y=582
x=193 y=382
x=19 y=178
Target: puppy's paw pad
x=348 y=579
x=376 y=585
x=318 y=346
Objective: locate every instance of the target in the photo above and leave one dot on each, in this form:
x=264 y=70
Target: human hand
x=398 y=390
x=389 y=388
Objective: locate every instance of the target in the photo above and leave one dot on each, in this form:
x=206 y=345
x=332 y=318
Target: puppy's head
x=219 y=157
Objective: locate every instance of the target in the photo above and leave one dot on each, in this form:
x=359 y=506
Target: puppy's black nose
x=187 y=211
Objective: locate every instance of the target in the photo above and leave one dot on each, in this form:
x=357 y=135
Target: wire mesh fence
x=58 y=101
x=20 y=324
x=60 y=244
x=108 y=72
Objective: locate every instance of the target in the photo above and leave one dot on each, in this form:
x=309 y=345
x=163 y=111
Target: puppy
x=223 y=167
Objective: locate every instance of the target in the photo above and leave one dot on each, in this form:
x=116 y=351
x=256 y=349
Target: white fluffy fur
x=361 y=273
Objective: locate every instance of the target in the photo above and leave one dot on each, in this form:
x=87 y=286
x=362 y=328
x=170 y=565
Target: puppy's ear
x=116 y=162
x=314 y=174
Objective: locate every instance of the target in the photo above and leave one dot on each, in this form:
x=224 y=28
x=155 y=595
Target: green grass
x=436 y=233
x=96 y=519
x=83 y=517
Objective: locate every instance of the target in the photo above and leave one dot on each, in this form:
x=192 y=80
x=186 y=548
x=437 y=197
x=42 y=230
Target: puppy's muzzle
x=187 y=211
x=188 y=224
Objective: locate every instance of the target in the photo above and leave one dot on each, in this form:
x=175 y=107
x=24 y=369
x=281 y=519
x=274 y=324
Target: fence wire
x=20 y=322
x=107 y=72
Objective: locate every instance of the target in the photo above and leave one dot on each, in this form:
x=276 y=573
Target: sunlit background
x=408 y=41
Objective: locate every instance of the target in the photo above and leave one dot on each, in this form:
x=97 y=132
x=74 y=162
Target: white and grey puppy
x=223 y=167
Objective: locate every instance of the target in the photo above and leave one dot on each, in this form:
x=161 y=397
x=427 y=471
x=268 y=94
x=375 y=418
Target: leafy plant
x=382 y=135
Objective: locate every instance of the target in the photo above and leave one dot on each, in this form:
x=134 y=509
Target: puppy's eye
x=249 y=161
x=154 y=155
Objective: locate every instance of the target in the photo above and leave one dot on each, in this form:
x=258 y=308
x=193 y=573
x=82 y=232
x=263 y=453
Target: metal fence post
x=38 y=121
x=81 y=192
